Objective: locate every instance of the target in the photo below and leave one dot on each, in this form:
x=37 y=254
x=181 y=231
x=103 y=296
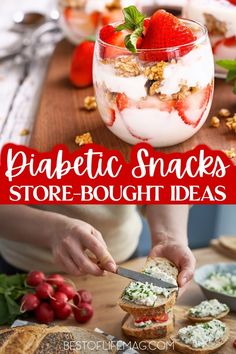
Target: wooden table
x=61 y=117
x=108 y=316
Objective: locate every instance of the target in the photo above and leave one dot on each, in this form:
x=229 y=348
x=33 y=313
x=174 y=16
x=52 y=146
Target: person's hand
x=181 y=256
x=73 y=245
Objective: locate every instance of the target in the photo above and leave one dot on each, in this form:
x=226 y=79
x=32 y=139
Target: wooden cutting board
x=61 y=116
x=165 y=345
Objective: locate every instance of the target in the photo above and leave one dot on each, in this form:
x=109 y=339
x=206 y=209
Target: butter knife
x=144 y=278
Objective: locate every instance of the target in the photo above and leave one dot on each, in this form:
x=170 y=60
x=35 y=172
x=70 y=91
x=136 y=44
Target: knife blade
x=144 y=278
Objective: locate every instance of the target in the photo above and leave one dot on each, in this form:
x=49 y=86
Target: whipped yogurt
x=195 y=69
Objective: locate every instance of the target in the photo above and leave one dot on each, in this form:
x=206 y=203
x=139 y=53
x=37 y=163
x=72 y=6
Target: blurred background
x=205 y=223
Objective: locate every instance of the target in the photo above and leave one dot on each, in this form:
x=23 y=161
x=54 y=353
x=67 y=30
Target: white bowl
x=203 y=273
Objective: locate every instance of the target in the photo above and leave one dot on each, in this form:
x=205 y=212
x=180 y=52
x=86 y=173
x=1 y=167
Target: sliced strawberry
x=192 y=108
x=106 y=32
x=122 y=101
x=109 y=35
x=225 y=48
x=232 y=2
x=81 y=64
x=146 y=25
x=165 y=31
x=139 y=43
x=155 y=102
x=111 y=117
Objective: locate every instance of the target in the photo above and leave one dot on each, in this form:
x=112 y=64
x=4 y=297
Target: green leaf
x=131 y=40
x=4 y=313
x=133 y=16
x=227 y=64
x=134 y=21
x=231 y=75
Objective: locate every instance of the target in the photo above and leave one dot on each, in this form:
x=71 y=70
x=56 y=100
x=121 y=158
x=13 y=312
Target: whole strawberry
x=165 y=31
x=81 y=64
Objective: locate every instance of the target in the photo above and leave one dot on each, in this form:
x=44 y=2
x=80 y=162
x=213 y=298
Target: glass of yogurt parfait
x=81 y=18
x=153 y=78
x=219 y=16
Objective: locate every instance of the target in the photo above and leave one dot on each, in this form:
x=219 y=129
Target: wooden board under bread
x=61 y=116
x=165 y=345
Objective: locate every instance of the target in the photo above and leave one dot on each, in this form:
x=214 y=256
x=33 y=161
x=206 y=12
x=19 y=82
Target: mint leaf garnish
x=231 y=75
x=229 y=65
x=134 y=21
x=131 y=40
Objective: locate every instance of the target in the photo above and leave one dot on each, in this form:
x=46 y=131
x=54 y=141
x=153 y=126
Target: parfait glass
x=219 y=16
x=159 y=96
x=80 y=19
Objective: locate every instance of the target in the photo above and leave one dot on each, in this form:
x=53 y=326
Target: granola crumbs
x=230 y=153
x=155 y=73
x=214 y=26
x=83 y=139
x=184 y=92
x=127 y=66
x=90 y=103
x=231 y=123
x=24 y=132
x=224 y=112
x=215 y=122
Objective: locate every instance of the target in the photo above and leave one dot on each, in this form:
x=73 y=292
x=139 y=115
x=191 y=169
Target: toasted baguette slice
x=156 y=331
x=210 y=304
x=207 y=319
x=180 y=347
x=163 y=304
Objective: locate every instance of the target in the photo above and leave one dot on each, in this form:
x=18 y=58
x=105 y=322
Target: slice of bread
x=156 y=331
x=207 y=319
x=180 y=347
x=41 y=339
x=228 y=242
x=209 y=306
x=163 y=304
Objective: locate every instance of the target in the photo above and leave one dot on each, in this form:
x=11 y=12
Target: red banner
x=95 y=175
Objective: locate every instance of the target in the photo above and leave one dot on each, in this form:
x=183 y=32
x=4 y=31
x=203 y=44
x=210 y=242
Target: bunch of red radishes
x=52 y=298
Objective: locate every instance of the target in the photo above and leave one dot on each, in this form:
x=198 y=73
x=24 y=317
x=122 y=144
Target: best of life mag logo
x=96 y=175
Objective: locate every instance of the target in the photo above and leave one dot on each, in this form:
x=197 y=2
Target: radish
x=29 y=302
x=83 y=312
x=68 y=290
x=55 y=279
x=44 y=291
x=35 y=278
x=59 y=300
x=64 y=312
x=44 y=313
x=82 y=296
